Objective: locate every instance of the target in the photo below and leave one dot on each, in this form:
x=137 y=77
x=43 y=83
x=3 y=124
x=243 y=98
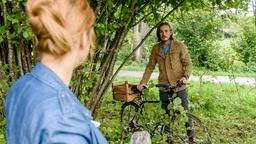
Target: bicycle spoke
x=201 y=133
x=128 y=118
x=167 y=134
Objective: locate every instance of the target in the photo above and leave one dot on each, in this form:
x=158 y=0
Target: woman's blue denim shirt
x=41 y=109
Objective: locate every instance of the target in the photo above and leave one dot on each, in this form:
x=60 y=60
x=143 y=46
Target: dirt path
x=217 y=79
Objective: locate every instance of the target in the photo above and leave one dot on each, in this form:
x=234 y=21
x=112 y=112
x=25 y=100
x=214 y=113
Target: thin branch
x=144 y=5
x=106 y=82
x=111 y=15
x=144 y=15
x=114 y=49
x=99 y=6
x=103 y=67
x=141 y=19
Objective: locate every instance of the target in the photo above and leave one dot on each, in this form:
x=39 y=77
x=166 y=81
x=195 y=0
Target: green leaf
x=1 y=39
x=177 y=101
x=2 y=30
x=26 y=35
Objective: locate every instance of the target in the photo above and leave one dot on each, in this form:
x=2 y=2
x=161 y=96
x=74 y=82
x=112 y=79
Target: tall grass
x=227 y=109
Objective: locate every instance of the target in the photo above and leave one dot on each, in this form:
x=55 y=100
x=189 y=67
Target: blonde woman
x=40 y=108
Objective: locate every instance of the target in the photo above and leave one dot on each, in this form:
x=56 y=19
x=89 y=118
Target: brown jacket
x=172 y=67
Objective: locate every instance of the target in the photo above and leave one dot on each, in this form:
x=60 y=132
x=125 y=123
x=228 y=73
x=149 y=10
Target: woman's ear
x=84 y=42
x=84 y=46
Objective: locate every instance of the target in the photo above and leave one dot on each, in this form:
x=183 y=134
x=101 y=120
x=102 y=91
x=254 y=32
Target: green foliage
x=15 y=22
x=153 y=115
x=199 y=29
x=226 y=109
x=202 y=31
x=85 y=83
x=4 y=86
x=245 y=45
x=126 y=48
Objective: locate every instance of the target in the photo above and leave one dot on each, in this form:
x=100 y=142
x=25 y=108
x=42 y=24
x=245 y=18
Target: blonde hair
x=59 y=24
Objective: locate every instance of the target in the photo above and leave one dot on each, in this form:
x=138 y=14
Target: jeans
x=183 y=95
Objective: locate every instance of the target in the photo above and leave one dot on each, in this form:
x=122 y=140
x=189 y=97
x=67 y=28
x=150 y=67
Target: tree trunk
x=108 y=71
x=139 y=31
x=20 y=61
x=9 y=45
x=254 y=10
x=135 y=40
x=30 y=59
x=144 y=31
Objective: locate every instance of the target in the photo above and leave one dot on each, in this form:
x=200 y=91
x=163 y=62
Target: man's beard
x=164 y=39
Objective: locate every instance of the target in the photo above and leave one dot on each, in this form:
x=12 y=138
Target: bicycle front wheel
x=129 y=119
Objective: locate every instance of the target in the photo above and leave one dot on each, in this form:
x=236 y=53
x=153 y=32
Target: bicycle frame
x=138 y=107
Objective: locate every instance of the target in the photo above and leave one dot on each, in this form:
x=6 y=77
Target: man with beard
x=174 y=64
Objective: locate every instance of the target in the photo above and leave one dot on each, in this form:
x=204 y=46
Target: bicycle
x=132 y=111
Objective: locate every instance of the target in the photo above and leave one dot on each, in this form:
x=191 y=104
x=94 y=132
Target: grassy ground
x=228 y=111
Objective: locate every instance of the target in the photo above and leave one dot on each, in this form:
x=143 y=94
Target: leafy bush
x=226 y=109
x=245 y=45
x=4 y=86
x=200 y=29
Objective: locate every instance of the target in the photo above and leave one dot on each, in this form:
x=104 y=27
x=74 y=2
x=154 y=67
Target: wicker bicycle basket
x=123 y=92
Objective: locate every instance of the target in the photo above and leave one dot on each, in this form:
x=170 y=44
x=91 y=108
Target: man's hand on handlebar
x=183 y=80
x=140 y=87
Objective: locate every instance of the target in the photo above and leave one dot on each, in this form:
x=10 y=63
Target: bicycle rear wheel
x=201 y=132
x=129 y=118
x=165 y=134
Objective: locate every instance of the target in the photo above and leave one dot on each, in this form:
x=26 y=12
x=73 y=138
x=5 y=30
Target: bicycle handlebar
x=171 y=87
x=165 y=86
